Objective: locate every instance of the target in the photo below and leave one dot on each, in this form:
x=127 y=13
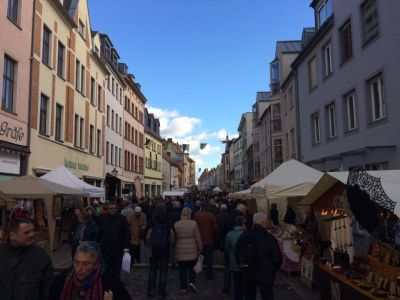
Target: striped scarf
x=91 y=288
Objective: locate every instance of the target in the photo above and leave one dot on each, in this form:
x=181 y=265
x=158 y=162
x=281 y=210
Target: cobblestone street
x=285 y=287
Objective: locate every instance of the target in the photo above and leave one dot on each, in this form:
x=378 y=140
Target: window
x=370 y=20
x=76 y=133
x=98 y=142
x=316 y=135
x=60 y=60
x=120 y=126
x=290 y=97
x=119 y=158
x=346 y=43
x=92 y=91
x=91 y=139
x=116 y=156
x=116 y=123
x=350 y=107
x=46 y=45
x=117 y=88
x=312 y=70
x=12 y=10
x=120 y=95
x=330 y=109
x=275 y=71
x=44 y=102
x=112 y=86
x=377 y=98
x=112 y=155
x=77 y=75
x=324 y=11
x=81 y=132
x=112 y=119
x=108 y=82
x=292 y=143
x=107 y=153
x=83 y=75
x=99 y=99
x=59 y=113
x=9 y=71
x=81 y=29
x=327 y=54
x=108 y=115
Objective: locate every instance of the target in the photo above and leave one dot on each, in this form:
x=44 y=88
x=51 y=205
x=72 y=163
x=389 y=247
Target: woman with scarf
x=86 y=280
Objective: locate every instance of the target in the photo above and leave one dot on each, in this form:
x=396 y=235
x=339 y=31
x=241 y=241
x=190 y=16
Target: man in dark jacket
x=258 y=254
x=114 y=237
x=25 y=268
x=86 y=280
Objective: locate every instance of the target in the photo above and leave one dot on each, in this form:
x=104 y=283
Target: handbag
x=126 y=262
x=198 y=267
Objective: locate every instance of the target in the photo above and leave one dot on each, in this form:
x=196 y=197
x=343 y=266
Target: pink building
x=15 y=52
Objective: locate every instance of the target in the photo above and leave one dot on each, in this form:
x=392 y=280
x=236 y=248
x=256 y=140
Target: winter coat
x=230 y=247
x=222 y=221
x=114 y=234
x=25 y=273
x=265 y=257
x=188 y=242
x=110 y=282
x=90 y=233
x=207 y=223
x=137 y=224
x=174 y=215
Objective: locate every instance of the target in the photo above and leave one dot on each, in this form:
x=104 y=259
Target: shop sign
x=76 y=165
x=10 y=163
x=13 y=131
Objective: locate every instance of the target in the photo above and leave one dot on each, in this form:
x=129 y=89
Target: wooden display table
x=335 y=286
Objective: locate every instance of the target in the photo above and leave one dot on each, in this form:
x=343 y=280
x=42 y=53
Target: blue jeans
x=158 y=262
x=185 y=269
x=208 y=261
x=266 y=292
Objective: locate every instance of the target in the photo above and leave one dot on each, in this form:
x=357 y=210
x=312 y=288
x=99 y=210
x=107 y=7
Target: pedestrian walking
x=290 y=216
x=174 y=215
x=230 y=252
x=274 y=214
x=207 y=223
x=259 y=256
x=187 y=250
x=159 y=238
x=223 y=221
x=137 y=223
x=83 y=228
x=87 y=280
x=114 y=236
x=127 y=210
x=25 y=268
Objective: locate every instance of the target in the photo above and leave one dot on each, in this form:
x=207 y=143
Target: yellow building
x=153 y=154
x=68 y=82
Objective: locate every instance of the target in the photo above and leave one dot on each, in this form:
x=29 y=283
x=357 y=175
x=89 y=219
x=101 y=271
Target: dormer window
x=275 y=71
x=107 y=51
x=115 y=59
x=81 y=29
x=324 y=11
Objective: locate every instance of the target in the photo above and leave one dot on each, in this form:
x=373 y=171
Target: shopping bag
x=126 y=262
x=198 y=267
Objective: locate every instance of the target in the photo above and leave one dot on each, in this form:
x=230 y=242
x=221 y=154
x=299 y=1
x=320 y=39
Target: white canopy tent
x=172 y=194
x=291 y=179
x=390 y=180
x=242 y=194
x=63 y=176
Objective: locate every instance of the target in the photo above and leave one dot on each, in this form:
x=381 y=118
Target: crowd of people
x=173 y=233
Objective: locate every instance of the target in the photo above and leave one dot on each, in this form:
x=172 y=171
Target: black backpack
x=246 y=252
x=160 y=235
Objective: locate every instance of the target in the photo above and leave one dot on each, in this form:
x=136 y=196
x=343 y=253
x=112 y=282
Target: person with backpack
x=187 y=250
x=259 y=257
x=159 y=239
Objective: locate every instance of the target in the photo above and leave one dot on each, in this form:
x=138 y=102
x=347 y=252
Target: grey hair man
x=259 y=253
x=25 y=268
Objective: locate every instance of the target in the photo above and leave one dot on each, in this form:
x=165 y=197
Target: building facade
x=114 y=141
x=134 y=105
x=153 y=153
x=246 y=133
x=238 y=168
x=347 y=87
x=15 y=53
x=67 y=101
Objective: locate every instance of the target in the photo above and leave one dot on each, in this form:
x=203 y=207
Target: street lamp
x=114 y=172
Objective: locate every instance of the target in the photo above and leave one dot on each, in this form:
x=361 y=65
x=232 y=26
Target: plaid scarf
x=91 y=288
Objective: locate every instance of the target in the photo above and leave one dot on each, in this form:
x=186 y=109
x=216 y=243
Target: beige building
x=189 y=171
x=153 y=170
x=68 y=82
x=15 y=51
x=134 y=102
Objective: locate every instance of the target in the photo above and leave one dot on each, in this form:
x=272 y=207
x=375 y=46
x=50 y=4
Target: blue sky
x=200 y=62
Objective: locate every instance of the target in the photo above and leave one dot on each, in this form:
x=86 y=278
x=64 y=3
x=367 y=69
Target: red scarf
x=91 y=288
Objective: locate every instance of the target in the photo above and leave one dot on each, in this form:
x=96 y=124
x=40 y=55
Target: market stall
x=353 y=219
x=42 y=201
